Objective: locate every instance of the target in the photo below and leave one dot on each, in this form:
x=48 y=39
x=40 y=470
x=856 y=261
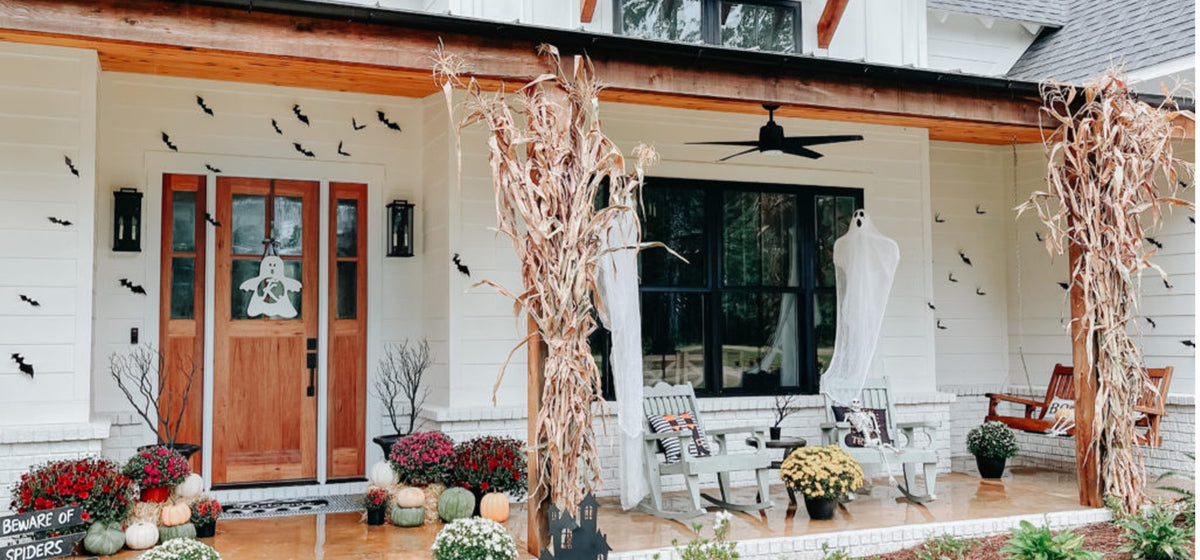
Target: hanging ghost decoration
x=865 y=264
x=271 y=289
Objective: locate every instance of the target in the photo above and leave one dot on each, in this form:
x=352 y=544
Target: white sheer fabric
x=618 y=291
x=865 y=264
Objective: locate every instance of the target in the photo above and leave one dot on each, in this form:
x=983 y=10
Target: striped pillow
x=670 y=423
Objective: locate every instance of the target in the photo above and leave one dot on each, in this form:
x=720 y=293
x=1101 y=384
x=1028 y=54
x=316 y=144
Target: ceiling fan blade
x=729 y=143
x=802 y=151
x=744 y=152
x=799 y=141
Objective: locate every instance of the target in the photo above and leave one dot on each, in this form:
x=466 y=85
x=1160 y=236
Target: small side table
x=788 y=444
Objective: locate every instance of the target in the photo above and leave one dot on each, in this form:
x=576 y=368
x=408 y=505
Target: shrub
x=376 y=499
x=1185 y=504
x=490 y=464
x=822 y=472
x=181 y=549
x=1154 y=536
x=95 y=484
x=836 y=554
x=993 y=440
x=946 y=547
x=700 y=548
x=206 y=511
x=1029 y=542
x=157 y=466
x=423 y=458
x=474 y=538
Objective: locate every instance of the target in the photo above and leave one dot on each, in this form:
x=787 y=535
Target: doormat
x=294 y=506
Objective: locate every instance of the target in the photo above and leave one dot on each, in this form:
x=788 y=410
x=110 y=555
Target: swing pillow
x=670 y=423
x=855 y=438
x=1057 y=404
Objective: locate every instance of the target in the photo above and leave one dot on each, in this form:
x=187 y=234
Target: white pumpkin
x=190 y=487
x=410 y=497
x=383 y=475
x=141 y=535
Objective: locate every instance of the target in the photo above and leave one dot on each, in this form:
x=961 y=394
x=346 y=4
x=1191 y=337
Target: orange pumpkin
x=175 y=514
x=495 y=507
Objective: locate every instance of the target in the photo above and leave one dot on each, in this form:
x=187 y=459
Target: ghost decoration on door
x=271 y=289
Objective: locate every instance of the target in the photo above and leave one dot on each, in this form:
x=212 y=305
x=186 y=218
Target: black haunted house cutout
x=576 y=541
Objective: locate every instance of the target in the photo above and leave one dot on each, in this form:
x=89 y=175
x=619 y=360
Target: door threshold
x=285 y=490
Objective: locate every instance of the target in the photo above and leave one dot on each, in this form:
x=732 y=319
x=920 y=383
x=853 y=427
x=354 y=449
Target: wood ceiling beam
x=155 y=37
x=587 y=10
x=831 y=16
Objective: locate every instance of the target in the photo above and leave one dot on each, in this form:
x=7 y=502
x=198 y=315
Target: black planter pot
x=990 y=467
x=206 y=530
x=820 y=508
x=385 y=443
x=185 y=449
x=776 y=432
x=376 y=516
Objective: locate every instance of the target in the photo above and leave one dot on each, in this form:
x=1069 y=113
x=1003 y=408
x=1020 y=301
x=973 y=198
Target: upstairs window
x=764 y=25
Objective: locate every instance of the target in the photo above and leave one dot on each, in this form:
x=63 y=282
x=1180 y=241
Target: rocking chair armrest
x=830 y=426
x=736 y=430
x=923 y=424
x=681 y=435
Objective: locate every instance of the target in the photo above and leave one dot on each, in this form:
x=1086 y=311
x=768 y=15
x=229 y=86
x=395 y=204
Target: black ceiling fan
x=772 y=141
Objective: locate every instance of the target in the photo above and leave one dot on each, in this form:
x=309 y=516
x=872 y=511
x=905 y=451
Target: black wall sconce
x=127 y=220
x=400 y=229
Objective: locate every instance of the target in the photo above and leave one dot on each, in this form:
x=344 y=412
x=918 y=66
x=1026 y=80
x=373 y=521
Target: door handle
x=312 y=368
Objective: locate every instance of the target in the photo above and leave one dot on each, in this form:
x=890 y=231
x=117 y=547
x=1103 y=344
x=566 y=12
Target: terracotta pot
x=820 y=508
x=157 y=494
x=206 y=530
x=990 y=467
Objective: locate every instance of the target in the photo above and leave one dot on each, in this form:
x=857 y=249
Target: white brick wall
x=128 y=432
x=23 y=447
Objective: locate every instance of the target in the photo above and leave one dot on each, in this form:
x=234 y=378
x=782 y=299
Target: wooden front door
x=265 y=331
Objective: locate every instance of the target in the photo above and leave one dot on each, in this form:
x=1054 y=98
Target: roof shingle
x=1045 y=12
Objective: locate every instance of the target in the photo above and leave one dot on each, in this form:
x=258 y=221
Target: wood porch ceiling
x=186 y=40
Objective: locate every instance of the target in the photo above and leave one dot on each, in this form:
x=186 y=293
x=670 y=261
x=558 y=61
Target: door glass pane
x=824 y=327
x=347 y=227
x=761 y=241
x=667 y=20
x=757 y=27
x=183 y=221
x=258 y=291
x=674 y=217
x=761 y=345
x=673 y=338
x=249 y=223
x=347 y=290
x=183 y=287
x=287 y=228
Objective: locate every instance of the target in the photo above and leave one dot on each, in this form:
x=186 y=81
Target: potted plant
x=401 y=372
x=992 y=443
x=473 y=538
x=181 y=549
x=141 y=376
x=785 y=405
x=204 y=516
x=822 y=475
x=376 y=503
x=489 y=465
x=156 y=469
x=97 y=485
x=422 y=458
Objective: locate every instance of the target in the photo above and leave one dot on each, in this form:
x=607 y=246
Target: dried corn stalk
x=1112 y=172
x=549 y=159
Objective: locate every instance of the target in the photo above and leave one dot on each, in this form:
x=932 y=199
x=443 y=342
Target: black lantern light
x=400 y=229
x=127 y=220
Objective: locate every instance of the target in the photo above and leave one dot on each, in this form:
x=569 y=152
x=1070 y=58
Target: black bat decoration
x=963 y=255
x=1064 y=285
x=25 y=367
x=1153 y=325
x=1188 y=343
x=135 y=288
x=1167 y=284
x=979 y=291
x=979 y=209
x=938 y=218
x=461 y=267
x=940 y=326
x=275 y=125
x=384 y=119
x=30 y=300
x=1154 y=242
x=952 y=278
x=211 y=168
x=299 y=148
x=1190 y=218
x=930 y=304
x=354 y=124
x=71 y=165
x=200 y=101
x=59 y=221
x=1037 y=236
x=167 y=140
x=341 y=151
x=300 y=116
x=1183 y=185
x=208 y=218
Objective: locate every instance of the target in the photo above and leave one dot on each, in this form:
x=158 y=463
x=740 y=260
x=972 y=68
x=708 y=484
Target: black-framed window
x=766 y=25
x=753 y=310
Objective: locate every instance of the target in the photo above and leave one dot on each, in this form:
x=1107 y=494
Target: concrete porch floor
x=961 y=496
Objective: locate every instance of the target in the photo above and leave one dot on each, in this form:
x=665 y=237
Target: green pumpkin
x=185 y=531
x=104 y=539
x=408 y=517
x=455 y=503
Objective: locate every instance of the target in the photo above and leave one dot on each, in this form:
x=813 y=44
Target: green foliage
x=993 y=440
x=1154 y=536
x=1030 y=542
x=1185 y=504
x=946 y=547
x=837 y=554
x=700 y=548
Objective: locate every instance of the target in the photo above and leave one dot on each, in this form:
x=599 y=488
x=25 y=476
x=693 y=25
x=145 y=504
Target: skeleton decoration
x=866 y=423
x=271 y=288
x=1064 y=421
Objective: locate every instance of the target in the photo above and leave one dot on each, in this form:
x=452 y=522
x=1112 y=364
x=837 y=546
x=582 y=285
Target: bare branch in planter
x=401 y=372
x=142 y=378
x=785 y=405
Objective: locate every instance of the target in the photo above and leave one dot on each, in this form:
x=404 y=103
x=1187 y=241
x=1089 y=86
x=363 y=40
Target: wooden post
x=1087 y=459
x=538 y=505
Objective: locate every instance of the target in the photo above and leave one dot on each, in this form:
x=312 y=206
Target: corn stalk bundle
x=1112 y=172
x=549 y=160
